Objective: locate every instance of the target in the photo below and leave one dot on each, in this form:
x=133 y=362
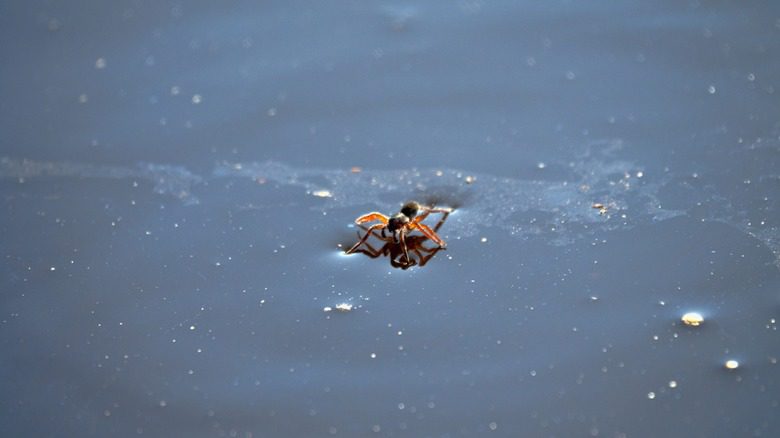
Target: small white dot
x=197 y=98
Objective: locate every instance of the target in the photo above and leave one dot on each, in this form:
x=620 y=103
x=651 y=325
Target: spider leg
x=425 y=259
x=365 y=237
x=370 y=217
x=442 y=219
x=428 y=210
x=370 y=250
x=402 y=234
x=378 y=236
x=429 y=233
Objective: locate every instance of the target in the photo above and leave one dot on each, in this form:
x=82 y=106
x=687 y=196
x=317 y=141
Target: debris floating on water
x=341 y=307
x=470 y=179
x=600 y=207
x=322 y=193
x=732 y=364
x=692 y=318
x=355 y=169
x=344 y=307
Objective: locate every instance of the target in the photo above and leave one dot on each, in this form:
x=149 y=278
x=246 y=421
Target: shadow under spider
x=395 y=252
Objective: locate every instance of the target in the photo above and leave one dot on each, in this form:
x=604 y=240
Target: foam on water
x=556 y=202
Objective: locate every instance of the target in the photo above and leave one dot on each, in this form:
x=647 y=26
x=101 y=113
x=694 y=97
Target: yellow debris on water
x=732 y=364
x=693 y=319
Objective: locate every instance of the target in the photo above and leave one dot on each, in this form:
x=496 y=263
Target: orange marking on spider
x=409 y=218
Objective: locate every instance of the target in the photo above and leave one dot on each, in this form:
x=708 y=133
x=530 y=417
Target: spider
x=409 y=218
x=394 y=251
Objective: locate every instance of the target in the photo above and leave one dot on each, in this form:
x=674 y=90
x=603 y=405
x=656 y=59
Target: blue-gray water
x=177 y=192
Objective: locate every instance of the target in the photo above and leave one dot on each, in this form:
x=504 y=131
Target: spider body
x=400 y=224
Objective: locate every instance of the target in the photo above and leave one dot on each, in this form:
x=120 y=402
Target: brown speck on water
x=355 y=169
x=600 y=207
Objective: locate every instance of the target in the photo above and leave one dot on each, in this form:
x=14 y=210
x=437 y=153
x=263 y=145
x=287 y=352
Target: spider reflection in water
x=399 y=244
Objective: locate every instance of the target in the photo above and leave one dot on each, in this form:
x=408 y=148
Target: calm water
x=177 y=191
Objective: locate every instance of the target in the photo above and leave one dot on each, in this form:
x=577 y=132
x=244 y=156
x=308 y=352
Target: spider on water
x=402 y=223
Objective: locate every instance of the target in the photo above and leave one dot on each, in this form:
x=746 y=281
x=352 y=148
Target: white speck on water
x=163 y=403
x=651 y=395
x=640 y=174
x=376 y=428
x=673 y=384
x=83 y=98
x=732 y=364
x=493 y=425
x=570 y=75
x=322 y=193
x=192 y=327
x=52 y=268
x=373 y=355
x=100 y=63
x=533 y=373
x=401 y=406
x=271 y=112
x=197 y=98
x=541 y=165
x=483 y=240
x=711 y=89
x=175 y=90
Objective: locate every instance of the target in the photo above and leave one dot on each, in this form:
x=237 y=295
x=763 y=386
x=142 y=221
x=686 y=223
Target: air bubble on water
x=651 y=395
x=100 y=63
x=711 y=89
x=673 y=384
x=493 y=425
x=197 y=98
